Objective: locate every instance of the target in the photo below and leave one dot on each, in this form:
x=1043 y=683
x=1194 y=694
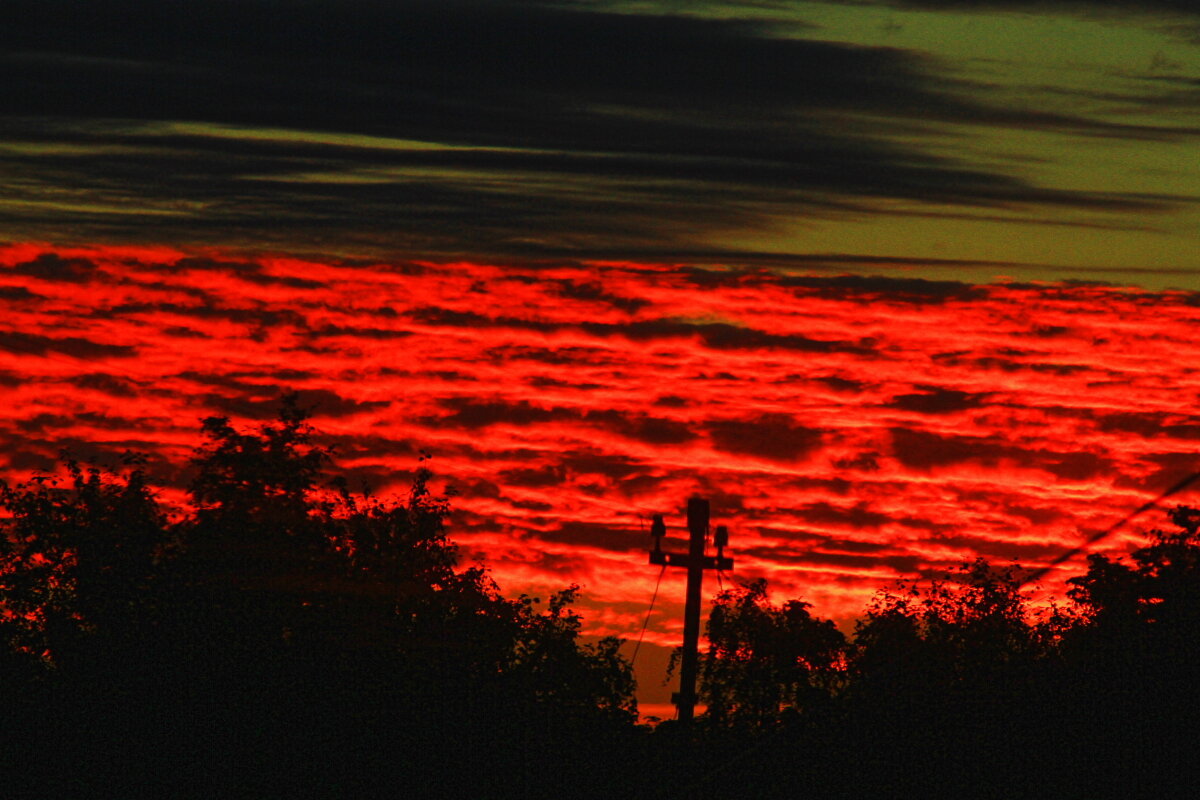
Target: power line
x=649 y=611
x=1111 y=529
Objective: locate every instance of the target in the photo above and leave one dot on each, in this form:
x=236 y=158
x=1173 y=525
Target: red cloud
x=848 y=430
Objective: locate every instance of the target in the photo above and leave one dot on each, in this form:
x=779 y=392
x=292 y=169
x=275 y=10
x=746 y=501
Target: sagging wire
x=649 y=611
x=1097 y=537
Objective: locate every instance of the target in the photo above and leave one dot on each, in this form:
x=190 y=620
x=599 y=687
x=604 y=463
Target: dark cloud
x=656 y=431
x=865 y=462
x=469 y=413
x=18 y=293
x=1076 y=466
x=867 y=288
x=1011 y=363
x=1078 y=6
x=837 y=486
x=531 y=505
x=938 y=400
x=546 y=382
x=856 y=516
x=534 y=478
x=564 y=565
x=548 y=355
x=714 y=335
x=34 y=344
x=476 y=488
x=256 y=396
x=436 y=316
x=776 y=437
x=643 y=485
x=359 y=333
x=45 y=454
x=1026 y=553
x=595 y=292
x=23 y=458
x=326 y=403
x=1040 y=516
x=235 y=381
x=840 y=384
x=600 y=536
x=248 y=271
x=842 y=544
x=903 y=564
x=926 y=450
x=1145 y=424
x=203 y=264
x=267 y=61
x=593 y=130
x=1149 y=425
x=259 y=317
x=1189 y=431
x=610 y=466
x=363 y=446
x=1166 y=470
x=41 y=423
x=53 y=267
x=818 y=557
x=722 y=336
x=102 y=382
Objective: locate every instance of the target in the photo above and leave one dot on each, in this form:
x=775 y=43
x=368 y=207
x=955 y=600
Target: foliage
x=77 y=559
x=547 y=658
x=952 y=633
x=258 y=486
x=277 y=576
x=394 y=542
x=1161 y=586
x=764 y=660
x=1143 y=613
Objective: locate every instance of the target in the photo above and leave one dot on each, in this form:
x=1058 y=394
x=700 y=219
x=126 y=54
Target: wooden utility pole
x=696 y=562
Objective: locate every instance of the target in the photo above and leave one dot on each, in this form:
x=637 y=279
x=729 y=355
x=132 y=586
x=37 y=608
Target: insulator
x=657 y=528
x=721 y=539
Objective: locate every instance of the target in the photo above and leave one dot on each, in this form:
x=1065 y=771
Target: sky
x=894 y=284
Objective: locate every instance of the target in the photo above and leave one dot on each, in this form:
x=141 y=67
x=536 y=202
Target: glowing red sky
x=850 y=431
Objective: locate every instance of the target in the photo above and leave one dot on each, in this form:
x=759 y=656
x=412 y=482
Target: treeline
x=960 y=688
x=290 y=637
x=286 y=636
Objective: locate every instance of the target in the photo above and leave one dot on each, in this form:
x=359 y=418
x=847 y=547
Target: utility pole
x=695 y=561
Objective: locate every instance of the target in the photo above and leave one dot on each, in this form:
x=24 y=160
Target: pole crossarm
x=686 y=561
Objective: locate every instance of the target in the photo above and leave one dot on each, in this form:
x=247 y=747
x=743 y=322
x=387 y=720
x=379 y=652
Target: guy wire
x=649 y=611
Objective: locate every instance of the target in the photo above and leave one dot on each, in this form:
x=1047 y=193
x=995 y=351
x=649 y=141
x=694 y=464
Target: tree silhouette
x=79 y=561
x=764 y=661
x=967 y=631
x=256 y=489
x=1160 y=588
x=1142 y=616
x=284 y=620
x=301 y=631
x=547 y=658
